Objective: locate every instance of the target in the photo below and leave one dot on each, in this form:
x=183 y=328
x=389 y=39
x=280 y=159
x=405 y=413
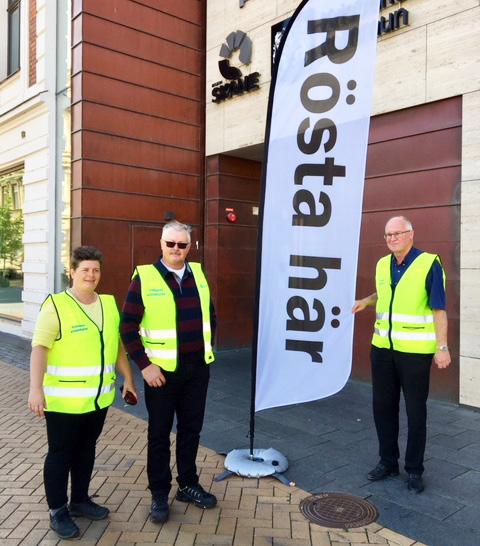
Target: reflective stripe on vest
x=406 y=335
x=75 y=392
x=413 y=319
x=158 y=329
x=404 y=320
x=72 y=371
x=158 y=334
x=80 y=374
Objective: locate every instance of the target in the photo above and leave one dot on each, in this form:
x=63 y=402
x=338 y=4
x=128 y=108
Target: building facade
x=423 y=160
x=137 y=128
x=124 y=114
x=102 y=129
x=34 y=148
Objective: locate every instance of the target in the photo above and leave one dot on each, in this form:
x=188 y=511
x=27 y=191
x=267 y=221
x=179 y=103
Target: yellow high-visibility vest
x=158 y=329
x=80 y=375
x=404 y=320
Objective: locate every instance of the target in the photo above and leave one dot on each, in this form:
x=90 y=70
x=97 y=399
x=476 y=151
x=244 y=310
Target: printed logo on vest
x=155 y=292
x=77 y=328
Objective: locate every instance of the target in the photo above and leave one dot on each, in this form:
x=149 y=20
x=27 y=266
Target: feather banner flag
x=315 y=153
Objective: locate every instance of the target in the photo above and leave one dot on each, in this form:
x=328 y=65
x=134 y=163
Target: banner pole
x=263 y=178
x=251 y=434
x=253 y=379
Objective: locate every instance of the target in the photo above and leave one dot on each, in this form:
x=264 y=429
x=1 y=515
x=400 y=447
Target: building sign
x=386 y=24
x=395 y=20
x=236 y=83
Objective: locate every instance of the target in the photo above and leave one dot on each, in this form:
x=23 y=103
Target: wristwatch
x=443 y=348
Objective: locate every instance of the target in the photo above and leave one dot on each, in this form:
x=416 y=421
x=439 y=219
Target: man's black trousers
x=184 y=395
x=71 y=450
x=392 y=372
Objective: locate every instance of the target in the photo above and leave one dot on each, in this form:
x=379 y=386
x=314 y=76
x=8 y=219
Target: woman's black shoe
x=89 y=509
x=63 y=524
x=159 y=510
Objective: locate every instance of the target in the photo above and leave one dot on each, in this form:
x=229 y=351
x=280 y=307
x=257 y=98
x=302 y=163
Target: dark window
x=13 y=36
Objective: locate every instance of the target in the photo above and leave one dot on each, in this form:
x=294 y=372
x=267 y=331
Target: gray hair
x=404 y=218
x=174 y=225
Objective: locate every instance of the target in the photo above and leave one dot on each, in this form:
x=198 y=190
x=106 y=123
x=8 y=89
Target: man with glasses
x=410 y=330
x=167 y=327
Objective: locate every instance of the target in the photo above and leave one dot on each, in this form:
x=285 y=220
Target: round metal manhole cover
x=338 y=510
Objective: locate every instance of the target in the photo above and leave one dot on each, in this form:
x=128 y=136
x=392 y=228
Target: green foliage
x=11 y=232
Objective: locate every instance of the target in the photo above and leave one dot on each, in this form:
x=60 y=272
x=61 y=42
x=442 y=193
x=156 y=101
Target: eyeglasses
x=172 y=244
x=395 y=235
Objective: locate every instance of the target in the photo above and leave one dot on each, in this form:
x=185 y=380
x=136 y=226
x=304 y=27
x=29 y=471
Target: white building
x=34 y=153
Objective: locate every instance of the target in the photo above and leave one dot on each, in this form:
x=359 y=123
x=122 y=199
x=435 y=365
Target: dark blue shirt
x=433 y=283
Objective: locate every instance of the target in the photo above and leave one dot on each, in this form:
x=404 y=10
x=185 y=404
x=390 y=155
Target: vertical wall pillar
x=231 y=248
x=470 y=254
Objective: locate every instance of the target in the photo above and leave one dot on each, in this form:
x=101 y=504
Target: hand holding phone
x=129 y=397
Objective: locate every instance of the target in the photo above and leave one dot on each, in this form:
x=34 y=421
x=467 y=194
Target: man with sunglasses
x=410 y=330
x=167 y=327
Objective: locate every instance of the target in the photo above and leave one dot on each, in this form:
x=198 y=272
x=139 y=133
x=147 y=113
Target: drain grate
x=338 y=510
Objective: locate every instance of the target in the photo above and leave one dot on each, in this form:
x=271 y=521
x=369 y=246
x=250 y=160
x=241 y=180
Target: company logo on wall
x=237 y=84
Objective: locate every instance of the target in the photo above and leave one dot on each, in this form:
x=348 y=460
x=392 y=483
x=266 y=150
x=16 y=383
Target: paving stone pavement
x=331 y=445
x=250 y=512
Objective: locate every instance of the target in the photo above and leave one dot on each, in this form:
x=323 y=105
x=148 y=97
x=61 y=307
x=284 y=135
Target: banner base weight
x=263 y=462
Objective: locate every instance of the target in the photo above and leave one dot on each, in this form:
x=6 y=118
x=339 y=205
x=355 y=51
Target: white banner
x=317 y=131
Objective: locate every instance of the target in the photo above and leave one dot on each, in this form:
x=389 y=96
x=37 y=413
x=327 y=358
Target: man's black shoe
x=63 y=525
x=197 y=496
x=89 y=509
x=159 y=510
x=380 y=472
x=415 y=483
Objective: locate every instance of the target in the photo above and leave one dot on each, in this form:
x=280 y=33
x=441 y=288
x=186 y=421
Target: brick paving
x=250 y=512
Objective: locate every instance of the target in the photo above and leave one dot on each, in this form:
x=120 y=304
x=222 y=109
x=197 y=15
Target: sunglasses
x=171 y=244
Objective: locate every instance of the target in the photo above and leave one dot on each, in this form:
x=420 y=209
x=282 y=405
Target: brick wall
x=32 y=42
x=137 y=128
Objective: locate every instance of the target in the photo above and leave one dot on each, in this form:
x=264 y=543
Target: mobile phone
x=129 y=397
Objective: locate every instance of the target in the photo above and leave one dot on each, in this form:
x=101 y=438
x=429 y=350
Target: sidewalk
x=330 y=444
x=250 y=512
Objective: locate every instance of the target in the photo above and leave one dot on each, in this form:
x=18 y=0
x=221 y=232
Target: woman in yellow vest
x=75 y=350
